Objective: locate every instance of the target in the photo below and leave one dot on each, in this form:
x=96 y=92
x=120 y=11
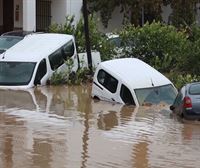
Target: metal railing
x=43 y=14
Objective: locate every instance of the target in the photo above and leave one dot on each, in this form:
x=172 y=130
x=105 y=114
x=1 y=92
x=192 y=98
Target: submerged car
x=131 y=81
x=187 y=102
x=33 y=60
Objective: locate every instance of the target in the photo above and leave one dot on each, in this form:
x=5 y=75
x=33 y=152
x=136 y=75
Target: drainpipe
x=142 y=15
x=87 y=37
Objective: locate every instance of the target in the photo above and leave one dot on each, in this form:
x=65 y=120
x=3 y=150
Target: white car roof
x=35 y=47
x=134 y=72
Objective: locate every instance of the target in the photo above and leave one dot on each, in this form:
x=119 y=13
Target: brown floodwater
x=62 y=127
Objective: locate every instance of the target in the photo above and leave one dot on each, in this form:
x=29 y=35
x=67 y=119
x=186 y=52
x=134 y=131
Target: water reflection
x=63 y=127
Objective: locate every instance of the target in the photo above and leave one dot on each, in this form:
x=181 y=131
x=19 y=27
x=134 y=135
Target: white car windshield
x=156 y=95
x=16 y=73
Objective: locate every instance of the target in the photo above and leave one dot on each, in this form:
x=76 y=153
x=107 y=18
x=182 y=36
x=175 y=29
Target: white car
x=33 y=60
x=131 y=81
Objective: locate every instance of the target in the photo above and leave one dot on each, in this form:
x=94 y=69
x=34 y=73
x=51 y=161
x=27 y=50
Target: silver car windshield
x=156 y=95
x=16 y=73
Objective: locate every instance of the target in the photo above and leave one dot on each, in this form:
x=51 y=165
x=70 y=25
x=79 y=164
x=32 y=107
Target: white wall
x=58 y=11
x=1 y=12
x=18 y=23
x=62 y=8
x=29 y=15
x=113 y=24
x=198 y=13
x=74 y=8
x=166 y=11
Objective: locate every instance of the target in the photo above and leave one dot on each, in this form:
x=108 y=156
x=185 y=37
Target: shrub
x=69 y=77
x=190 y=61
x=157 y=44
x=180 y=80
x=98 y=41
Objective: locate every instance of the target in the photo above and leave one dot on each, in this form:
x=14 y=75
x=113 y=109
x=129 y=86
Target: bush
x=190 y=61
x=171 y=51
x=157 y=44
x=98 y=41
x=66 y=28
x=69 y=77
x=180 y=80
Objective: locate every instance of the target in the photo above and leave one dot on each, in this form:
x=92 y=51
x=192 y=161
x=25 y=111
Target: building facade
x=37 y=15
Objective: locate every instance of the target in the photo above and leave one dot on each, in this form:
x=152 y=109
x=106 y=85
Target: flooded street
x=62 y=127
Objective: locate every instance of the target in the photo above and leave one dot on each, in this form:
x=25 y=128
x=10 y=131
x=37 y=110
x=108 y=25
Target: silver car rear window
x=194 y=89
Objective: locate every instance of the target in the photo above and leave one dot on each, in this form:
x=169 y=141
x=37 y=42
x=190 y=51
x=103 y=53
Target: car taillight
x=187 y=102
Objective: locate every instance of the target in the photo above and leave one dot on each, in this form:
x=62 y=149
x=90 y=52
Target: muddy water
x=62 y=127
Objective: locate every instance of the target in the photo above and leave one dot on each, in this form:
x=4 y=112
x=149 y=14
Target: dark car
x=17 y=33
x=9 y=39
x=187 y=102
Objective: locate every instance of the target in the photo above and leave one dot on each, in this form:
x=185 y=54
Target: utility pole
x=142 y=15
x=87 y=36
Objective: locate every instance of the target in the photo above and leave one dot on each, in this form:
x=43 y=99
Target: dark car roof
x=19 y=33
x=8 y=41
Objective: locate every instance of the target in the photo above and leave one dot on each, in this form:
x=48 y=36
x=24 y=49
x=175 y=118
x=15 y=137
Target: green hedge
x=98 y=40
x=157 y=44
x=171 y=51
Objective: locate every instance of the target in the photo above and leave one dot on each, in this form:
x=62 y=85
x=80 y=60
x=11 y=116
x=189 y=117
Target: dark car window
x=16 y=73
x=41 y=71
x=68 y=50
x=178 y=99
x=126 y=95
x=116 y=41
x=194 y=89
x=108 y=81
x=56 y=59
x=8 y=41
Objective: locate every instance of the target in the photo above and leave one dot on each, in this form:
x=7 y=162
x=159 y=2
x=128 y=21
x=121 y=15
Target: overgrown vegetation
x=98 y=40
x=174 y=52
x=179 y=79
x=69 y=77
x=156 y=44
x=138 y=11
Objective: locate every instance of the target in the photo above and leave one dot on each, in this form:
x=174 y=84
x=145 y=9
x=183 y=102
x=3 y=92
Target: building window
x=43 y=14
x=108 y=81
